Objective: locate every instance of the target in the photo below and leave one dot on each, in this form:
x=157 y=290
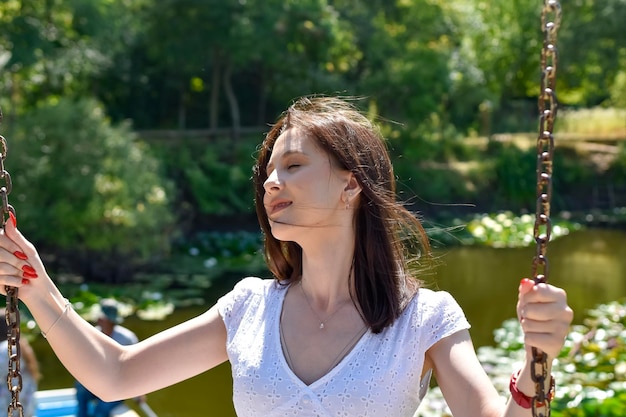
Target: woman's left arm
x=545 y=318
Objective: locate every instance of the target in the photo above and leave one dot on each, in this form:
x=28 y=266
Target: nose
x=272 y=183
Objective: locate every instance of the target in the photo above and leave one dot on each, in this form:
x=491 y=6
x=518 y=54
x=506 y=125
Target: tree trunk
x=261 y=107
x=232 y=102
x=215 y=92
x=182 y=111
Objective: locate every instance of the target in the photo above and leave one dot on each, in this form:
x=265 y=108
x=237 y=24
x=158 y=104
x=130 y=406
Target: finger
x=547 y=335
x=12 y=281
x=525 y=286
x=545 y=293
x=15 y=235
x=546 y=319
x=557 y=311
x=13 y=242
x=9 y=246
x=541 y=294
x=531 y=295
x=538 y=313
x=548 y=343
x=14 y=262
x=12 y=275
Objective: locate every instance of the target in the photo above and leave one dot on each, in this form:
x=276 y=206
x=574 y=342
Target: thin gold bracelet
x=68 y=306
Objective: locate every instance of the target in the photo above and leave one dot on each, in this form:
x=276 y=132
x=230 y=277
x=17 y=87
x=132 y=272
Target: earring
x=348 y=200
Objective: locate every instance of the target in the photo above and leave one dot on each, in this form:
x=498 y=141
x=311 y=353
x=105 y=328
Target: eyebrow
x=285 y=155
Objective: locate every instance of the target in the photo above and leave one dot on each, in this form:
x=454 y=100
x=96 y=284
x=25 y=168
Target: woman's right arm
x=109 y=370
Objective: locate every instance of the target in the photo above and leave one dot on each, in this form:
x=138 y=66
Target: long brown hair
x=390 y=241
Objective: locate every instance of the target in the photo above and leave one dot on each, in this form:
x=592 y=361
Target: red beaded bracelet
x=524 y=400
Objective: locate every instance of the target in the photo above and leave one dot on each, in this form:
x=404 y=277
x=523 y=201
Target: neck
x=327 y=276
x=327 y=256
x=107 y=329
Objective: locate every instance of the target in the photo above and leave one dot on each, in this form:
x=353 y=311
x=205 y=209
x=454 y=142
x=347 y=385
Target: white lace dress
x=380 y=377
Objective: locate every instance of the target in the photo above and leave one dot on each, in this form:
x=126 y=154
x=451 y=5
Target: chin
x=284 y=231
x=280 y=230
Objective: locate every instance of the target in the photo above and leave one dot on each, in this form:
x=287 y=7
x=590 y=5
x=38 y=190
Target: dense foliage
x=79 y=76
x=187 y=63
x=590 y=372
x=87 y=85
x=100 y=198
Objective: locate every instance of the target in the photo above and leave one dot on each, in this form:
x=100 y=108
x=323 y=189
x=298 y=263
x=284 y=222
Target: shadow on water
x=590 y=265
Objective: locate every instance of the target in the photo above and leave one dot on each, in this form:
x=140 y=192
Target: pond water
x=590 y=264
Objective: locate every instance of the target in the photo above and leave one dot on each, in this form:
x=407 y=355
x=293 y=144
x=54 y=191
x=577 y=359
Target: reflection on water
x=591 y=265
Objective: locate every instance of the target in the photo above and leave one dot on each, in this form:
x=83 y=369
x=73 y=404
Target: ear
x=352 y=188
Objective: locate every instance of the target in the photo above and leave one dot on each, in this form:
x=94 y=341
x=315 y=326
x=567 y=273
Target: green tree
x=240 y=52
x=593 y=51
x=57 y=47
x=406 y=60
x=87 y=188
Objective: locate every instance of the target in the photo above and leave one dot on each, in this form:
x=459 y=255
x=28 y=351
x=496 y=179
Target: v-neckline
x=281 y=351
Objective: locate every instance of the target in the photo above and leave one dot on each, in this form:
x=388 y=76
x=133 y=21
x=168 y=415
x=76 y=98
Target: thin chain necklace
x=351 y=343
x=322 y=322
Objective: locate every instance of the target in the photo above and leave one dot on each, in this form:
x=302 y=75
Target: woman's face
x=304 y=187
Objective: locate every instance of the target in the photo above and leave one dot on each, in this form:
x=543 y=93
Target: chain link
x=12 y=312
x=547 y=104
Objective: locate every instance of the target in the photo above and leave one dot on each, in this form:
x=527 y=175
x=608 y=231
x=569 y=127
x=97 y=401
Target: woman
x=29 y=371
x=344 y=328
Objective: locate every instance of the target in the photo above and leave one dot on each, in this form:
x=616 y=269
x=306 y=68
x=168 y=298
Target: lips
x=278 y=205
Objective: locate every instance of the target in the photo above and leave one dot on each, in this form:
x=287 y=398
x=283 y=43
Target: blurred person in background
x=29 y=370
x=108 y=322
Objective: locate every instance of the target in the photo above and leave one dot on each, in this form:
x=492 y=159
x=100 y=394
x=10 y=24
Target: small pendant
x=321 y=325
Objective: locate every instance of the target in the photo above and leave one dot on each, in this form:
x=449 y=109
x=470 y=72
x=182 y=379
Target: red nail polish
x=29 y=269
x=29 y=275
x=524 y=281
x=25 y=281
x=13 y=219
x=20 y=255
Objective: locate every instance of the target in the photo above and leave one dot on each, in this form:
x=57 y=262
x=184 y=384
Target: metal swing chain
x=547 y=103
x=12 y=313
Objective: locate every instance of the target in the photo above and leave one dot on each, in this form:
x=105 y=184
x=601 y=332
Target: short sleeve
x=233 y=305
x=442 y=316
